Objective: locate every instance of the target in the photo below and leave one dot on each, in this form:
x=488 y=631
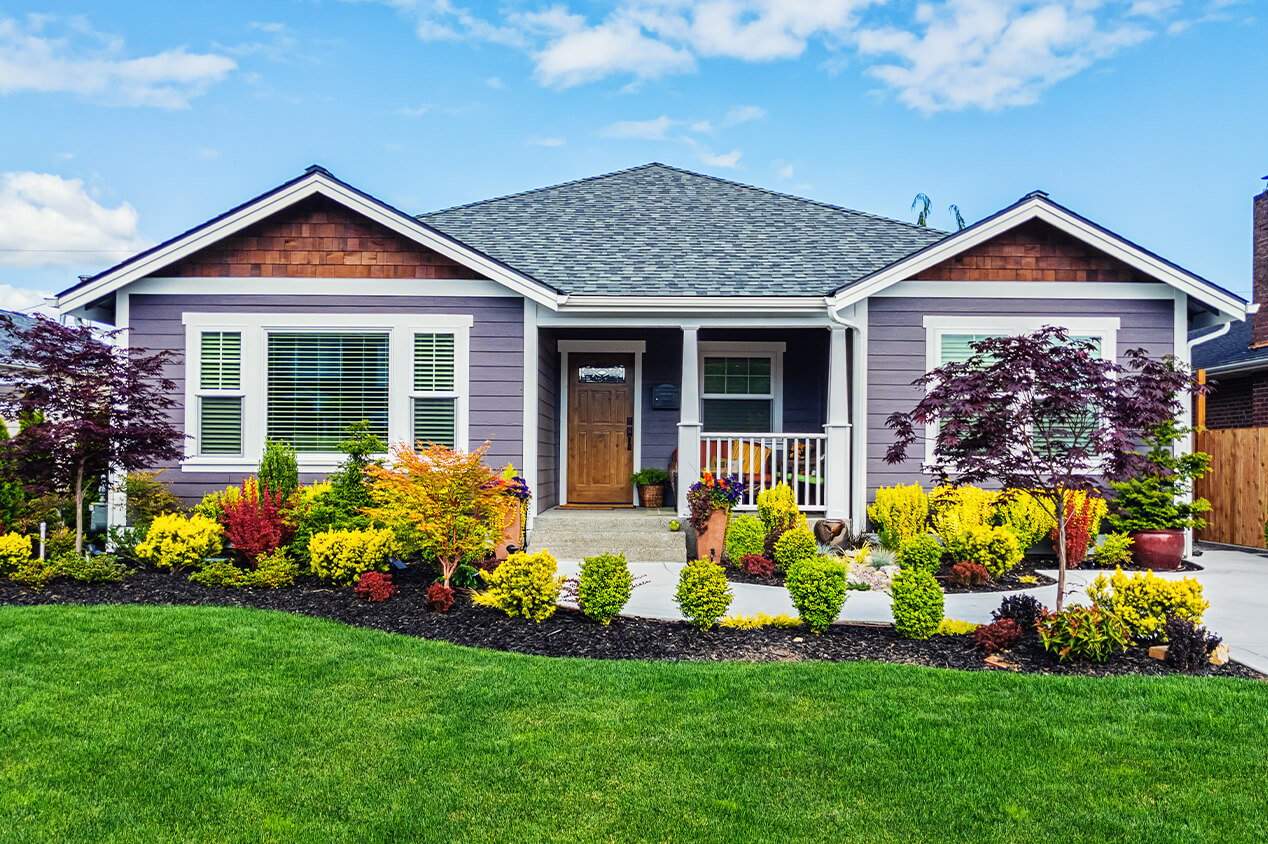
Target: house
x=648 y=317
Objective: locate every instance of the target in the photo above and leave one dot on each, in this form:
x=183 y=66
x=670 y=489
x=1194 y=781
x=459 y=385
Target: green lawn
x=150 y=723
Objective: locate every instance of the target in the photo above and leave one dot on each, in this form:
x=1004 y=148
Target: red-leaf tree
x=1041 y=412
x=91 y=404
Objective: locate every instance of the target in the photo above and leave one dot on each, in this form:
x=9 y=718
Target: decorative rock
x=1219 y=656
x=997 y=661
x=1158 y=652
x=799 y=638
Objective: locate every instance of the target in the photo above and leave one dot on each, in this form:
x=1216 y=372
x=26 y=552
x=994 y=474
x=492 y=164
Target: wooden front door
x=600 y=428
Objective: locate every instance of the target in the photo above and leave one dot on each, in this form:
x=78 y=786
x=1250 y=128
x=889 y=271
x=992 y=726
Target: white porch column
x=837 y=465
x=689 y=416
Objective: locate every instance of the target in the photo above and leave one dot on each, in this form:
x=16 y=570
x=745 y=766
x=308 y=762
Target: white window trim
x=938 y=325
x=741 y=349
x=255 y=328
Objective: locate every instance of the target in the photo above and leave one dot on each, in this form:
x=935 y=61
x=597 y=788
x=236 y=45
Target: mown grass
x=177 y=724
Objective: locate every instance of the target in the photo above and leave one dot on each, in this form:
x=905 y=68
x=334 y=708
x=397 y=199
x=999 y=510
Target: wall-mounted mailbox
x=665 y=397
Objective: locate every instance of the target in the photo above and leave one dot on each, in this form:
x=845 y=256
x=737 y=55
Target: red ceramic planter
x=709 y=542
x=1158 y=549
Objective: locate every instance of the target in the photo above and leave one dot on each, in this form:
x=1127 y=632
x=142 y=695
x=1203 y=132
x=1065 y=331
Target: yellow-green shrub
x=996 y=548
x=918 y=604
x=703 y=593
x=604 y=586
x=796 y=544
x=341 y=556
x=745 y=535
x=175 y=541
x=524 y=586
x=955 y=627
x=35 y=574
x=817 y=589
x=899 y=513
x=955 y=509
x=1025 y=515
x=777 y=508
x=921 y=552
x=1145 y=601
x=15 y=549
x=760 y=620
x=213 y=504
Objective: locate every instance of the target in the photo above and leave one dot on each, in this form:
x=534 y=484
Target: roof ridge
x=542 y=189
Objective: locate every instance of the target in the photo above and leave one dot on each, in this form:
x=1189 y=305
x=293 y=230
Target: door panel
x=600 y=428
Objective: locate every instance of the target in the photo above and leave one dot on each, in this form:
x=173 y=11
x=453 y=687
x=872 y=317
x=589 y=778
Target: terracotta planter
x=710 y=541
x=512 y=533
x=1158 y=549
x=651 y=495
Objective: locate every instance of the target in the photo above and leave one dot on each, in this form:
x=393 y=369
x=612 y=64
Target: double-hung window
x=740 y=388
x=219 y=393
x=434 y=397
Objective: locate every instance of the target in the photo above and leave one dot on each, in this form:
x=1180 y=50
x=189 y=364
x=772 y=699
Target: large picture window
x=740 y=390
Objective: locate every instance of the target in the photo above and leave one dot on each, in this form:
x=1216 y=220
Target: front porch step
x=643 y=536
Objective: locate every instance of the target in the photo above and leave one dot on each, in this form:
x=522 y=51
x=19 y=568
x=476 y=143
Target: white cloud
x=47 y=54
x=495 y=83
x=783 y=170
x=544 y=141
x=27 y=299
x=46 y=219
x=414 y=111
x=934 y=54
x=655 y=129
x=743 y=114
x=727 y=159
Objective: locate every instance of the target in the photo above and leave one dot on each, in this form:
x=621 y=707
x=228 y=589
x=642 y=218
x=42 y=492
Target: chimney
x=1259 y=271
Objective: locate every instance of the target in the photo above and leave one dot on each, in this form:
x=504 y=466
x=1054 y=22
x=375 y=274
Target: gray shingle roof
x=1232 y=348
x=656 y=230
x=6 y=338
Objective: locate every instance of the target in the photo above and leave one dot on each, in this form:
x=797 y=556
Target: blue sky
x=124 y=123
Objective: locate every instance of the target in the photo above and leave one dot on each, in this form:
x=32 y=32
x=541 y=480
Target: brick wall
x=318 y=238
x=1033 y=251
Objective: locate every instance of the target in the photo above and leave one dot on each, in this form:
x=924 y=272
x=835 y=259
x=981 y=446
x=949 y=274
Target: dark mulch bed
x=1089 y=565
x=569 y=633
x=1006 y=583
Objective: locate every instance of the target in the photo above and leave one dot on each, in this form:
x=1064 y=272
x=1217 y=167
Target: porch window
x=219 y=395
x=319 y=383
x=738 y=393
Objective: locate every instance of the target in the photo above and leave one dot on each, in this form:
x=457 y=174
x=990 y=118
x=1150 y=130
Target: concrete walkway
x=1235 y=582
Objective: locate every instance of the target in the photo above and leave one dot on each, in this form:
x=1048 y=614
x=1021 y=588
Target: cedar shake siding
x=1033 y=251
x=896 y=356
x=496 y=372
x=318 y=238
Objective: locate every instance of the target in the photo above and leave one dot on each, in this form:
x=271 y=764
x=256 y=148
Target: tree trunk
x=1061 y=550
x=79 y=509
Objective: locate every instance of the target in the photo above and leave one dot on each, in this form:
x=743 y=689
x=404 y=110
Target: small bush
x=1001 y=635
x=703 y=593
x=956 y=627
x=922 y=552
x=376 y=586
x=1145 y=601
x=604 y=587
x=899 y=513
x=918 y=604
x=1115 y=550
x=969 y=574
x=273 y=571
x=1189 y=645
x=220 y=572
x=1092 y=633
x=795 y=544
x=955 y=509
x=148 y=498
x=777 y=508
x=341 y=556
x=745 y=535
x=757 y=622
x=101 y=568
x=279 y=470
x=465 y=577
x=996 y=548
x=439 y=597
x=755 y=565
x=174 y=541
x=1083 y=513
x=1026 y=516
x=15 y=549
x=1023 y=609
x=524 y=586
x=35 y=574
x=124 y=540
x=253 y=521
x=817 y=588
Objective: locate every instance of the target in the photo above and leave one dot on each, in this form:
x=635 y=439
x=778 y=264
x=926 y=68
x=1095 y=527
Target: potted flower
x=710 y=500
x=1152 y=504
x=518 y=495
x=651 y=486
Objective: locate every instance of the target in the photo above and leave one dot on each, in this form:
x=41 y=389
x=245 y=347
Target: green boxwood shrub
x=996 y=548
x=817 y=588
x=918 y=604
x=923 y=553
x=604 y=586
x=797 y=543
x=744 y=535
x=703 y=593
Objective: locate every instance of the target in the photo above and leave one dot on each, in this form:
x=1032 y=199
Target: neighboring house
x=6 y=347
x=591 y=328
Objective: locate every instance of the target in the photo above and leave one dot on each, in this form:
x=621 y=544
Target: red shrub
x=969 y=574
x=1079 y=513
x=375 y=586
x=254 y=523
x=998 y=636
x=440 y=597
x=757 y=566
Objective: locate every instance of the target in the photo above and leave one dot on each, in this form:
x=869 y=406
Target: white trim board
x=569 y=347
x=315 y=182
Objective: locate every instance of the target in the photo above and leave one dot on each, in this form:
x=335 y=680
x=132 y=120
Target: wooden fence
x=1237 y=485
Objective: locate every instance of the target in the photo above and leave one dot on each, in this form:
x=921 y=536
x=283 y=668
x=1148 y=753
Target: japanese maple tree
x=1041 y=412
x=444 y=504
x=89 y=406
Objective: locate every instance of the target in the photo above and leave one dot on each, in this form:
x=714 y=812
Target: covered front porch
x=770 y=405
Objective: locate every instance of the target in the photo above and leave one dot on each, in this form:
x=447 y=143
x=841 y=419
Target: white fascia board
x=315 y=183
x=288 y=286
x=1037 y=208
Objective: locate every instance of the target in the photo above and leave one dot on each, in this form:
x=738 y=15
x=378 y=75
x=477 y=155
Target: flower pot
x=512 y=533
x=651 y=495
x=710 y=541
x=1158 y=549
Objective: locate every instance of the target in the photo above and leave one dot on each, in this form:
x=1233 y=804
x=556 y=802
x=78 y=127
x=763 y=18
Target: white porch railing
x=763 y=460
